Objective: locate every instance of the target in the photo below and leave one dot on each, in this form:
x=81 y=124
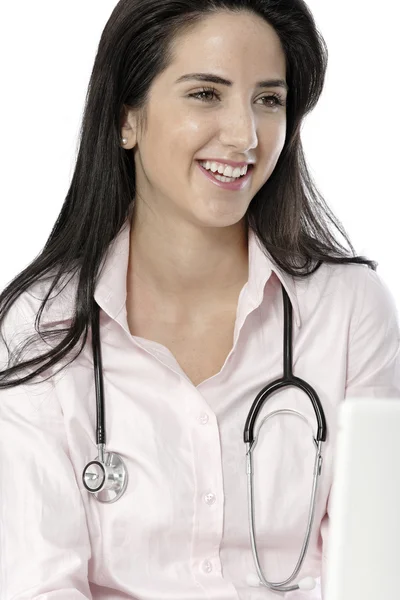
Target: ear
x=128 y=127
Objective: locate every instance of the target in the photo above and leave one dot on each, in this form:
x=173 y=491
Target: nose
x=239 y=129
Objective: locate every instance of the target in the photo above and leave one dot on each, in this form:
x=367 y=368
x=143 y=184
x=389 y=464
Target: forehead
x=227 y=38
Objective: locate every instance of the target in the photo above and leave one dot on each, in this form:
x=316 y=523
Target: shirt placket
x=209 y=506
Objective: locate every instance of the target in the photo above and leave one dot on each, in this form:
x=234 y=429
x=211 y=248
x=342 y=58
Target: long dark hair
x=287 y=214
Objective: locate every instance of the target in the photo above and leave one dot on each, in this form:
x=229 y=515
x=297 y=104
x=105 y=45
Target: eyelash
x=210 y=90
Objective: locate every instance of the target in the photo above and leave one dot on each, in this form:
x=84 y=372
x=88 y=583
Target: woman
x=189 y=268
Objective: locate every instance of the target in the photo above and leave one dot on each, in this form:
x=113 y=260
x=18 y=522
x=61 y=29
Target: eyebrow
x=209 y=77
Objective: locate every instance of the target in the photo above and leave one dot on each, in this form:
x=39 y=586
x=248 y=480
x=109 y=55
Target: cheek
x=273 y=157
x=177 y=137
x=274 y=141
x=189 y=134
x=281 y=134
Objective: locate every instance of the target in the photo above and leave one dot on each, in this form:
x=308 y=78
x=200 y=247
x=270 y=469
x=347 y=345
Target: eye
x=278 y=100
x=206 y=95
x=209 y=91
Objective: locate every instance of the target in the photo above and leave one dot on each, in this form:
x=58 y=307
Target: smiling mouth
x=228 y=183
x=227 y=177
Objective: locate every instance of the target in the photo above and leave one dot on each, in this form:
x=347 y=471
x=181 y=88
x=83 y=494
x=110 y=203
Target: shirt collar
x=111 y=288
x=261 y=266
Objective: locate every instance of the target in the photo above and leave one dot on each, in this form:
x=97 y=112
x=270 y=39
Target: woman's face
x=237 y=122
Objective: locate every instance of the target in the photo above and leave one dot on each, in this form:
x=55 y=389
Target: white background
x=351 y=139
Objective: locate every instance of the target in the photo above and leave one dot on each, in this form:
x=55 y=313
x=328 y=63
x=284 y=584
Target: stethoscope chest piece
x=107 y=479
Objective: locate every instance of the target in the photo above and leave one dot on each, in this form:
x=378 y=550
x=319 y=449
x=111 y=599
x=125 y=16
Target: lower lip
x=239 y=184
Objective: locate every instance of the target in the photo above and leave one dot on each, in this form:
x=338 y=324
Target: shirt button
x=206 y=566
x=204 y=418
x=209 y=498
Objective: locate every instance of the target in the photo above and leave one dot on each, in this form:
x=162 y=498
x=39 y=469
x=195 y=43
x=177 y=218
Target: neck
x=190 y=270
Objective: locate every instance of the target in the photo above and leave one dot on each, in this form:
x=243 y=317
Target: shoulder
x=58 y=307
x=21 y=328
x=348 y=291
x=362 y=288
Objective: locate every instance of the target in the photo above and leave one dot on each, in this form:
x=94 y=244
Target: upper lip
x=224 y=161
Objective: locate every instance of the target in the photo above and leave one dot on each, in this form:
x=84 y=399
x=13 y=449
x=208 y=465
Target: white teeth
x=225 y=170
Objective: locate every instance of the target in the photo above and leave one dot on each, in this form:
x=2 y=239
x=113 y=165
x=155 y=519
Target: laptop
x=363 y=560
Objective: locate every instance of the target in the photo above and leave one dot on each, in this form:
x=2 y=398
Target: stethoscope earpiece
x=308 y=583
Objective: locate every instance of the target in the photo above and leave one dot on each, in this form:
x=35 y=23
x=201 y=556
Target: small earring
x=124 y=141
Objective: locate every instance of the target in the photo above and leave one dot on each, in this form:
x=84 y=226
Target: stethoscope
x=106 y=477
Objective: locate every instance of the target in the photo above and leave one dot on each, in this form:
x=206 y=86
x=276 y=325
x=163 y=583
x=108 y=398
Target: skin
x=188 y=248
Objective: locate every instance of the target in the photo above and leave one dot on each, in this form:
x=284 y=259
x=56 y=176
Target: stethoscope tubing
x=279 y=586
x=288 y=380
x=250 y=439
x=98 y=377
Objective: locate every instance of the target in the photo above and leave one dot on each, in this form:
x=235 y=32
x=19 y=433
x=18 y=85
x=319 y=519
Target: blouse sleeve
x=373 y=363
x=44 y=540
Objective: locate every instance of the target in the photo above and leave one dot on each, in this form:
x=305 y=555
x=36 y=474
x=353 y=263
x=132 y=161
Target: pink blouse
x=181 y=531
